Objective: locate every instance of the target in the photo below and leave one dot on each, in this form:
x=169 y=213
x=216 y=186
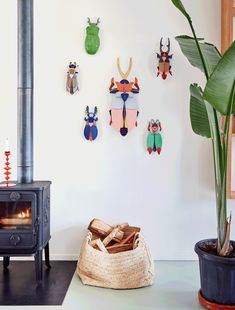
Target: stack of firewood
x=111 y=239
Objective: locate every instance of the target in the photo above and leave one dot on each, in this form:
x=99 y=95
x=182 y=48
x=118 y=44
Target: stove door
x=17 y=219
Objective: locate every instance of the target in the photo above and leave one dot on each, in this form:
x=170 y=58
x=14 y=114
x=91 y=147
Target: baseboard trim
x=74 y=257
x=64 y=257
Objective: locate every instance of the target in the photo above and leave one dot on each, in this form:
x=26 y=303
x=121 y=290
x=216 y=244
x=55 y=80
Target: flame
x=23 y=215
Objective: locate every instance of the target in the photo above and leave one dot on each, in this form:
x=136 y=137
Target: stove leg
x=47 y=256
x=6 y=261
x=38 y=265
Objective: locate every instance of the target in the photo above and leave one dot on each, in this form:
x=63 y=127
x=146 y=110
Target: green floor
x=175 y=288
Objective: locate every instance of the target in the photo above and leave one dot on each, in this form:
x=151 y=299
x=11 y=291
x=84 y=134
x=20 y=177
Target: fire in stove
x=20 y=218
x=25 y=214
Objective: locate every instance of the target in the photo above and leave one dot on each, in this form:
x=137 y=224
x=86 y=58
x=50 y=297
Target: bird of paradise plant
x=207 y=107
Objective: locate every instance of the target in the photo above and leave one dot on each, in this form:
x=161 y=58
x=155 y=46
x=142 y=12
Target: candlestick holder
x=7 y=168
x=7 y=171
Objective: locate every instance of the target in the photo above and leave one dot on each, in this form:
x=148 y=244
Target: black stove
x=25 y=222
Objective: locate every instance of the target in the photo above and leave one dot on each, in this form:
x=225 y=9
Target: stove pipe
x=25 y=92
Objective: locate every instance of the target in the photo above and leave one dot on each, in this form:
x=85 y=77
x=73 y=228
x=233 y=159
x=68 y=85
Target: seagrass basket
x=124 y=270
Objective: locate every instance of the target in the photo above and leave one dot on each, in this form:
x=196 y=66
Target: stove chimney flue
x=25 y=92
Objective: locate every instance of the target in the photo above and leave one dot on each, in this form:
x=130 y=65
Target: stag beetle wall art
x=72 y=83
x=92 y=41
x=124 y=106
x=90 y=130
x=164 y=66
x=154 y=139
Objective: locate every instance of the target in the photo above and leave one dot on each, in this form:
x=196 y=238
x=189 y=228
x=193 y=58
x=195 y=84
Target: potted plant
x=208 y=108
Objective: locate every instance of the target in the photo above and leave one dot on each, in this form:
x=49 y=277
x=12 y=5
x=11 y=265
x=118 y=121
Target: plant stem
x=222 y=219
x=222 y=212
x=220 y=154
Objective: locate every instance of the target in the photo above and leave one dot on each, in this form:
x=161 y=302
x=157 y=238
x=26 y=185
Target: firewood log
x=120 y=248
x=128 y=238
x=124 y=225
x=111 y=236
x=103 y=230
x=129 y=229
x=98 y=244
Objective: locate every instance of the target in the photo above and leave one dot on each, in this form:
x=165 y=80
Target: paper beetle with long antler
x=90 y=130
x=72 y=83
x=92 y=41
x=124 y=106
x=154 y=140
x=164 y=66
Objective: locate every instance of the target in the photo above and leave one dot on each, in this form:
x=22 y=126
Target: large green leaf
x=198 y=113
x=190 y=50
x=219 y=97
x=180 y=7
x=219 y=90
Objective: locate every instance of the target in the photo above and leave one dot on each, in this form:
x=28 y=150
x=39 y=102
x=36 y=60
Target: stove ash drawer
x=17 y=241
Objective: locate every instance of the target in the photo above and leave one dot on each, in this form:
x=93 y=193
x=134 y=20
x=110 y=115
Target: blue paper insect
x=124 y=106
x=90 y=130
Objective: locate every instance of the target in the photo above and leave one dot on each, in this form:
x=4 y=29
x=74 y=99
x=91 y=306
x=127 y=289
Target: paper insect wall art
x=124 y=106
x=90 y=130
x=72 y=82
x=164 y=66
x=92 y=41
x=154 y=140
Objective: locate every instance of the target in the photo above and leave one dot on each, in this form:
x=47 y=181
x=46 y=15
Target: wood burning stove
x=25 y=207
x=25 y=222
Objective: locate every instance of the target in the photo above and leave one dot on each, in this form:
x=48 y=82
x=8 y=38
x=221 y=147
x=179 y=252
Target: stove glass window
x=15 y=215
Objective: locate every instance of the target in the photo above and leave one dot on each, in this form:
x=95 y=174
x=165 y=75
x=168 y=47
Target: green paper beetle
x=92 y=42
x=154 y=140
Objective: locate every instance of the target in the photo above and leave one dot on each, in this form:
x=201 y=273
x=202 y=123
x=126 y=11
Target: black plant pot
x=217 y=276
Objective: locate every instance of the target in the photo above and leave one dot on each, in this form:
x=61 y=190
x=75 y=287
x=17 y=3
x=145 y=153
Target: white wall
x=170 y=196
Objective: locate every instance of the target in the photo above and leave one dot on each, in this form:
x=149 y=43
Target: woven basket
x=124 y=270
